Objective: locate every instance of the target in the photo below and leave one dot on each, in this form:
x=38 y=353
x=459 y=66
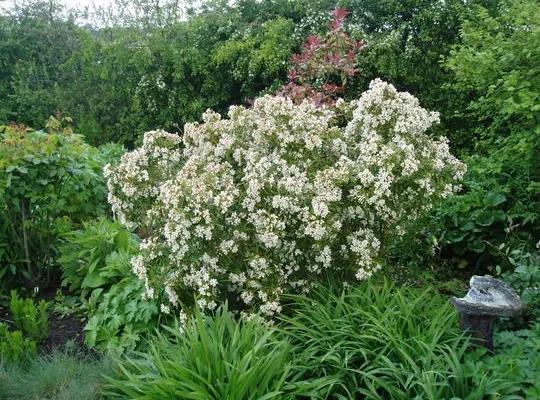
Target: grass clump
x=212 y=357
x=61 y=375
x=379 y=342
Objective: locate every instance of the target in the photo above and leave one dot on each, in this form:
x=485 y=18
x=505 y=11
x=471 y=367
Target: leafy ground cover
x=377 y=341
x=63 y=330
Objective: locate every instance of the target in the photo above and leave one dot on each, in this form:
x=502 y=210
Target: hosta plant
x=263 y=202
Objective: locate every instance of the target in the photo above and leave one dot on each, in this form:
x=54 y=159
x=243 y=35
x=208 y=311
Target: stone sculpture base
x=480 y=327
x=487 y=299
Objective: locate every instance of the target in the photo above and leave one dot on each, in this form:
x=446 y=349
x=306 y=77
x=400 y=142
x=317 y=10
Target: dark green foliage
x=102 y=95
x=37 y=40
x=14 y=348
x=499 y=206
x=524 y=277
x=156 y=71
x=110 y=153
x=514 y=368
x=96 y=266
x=48 y=182
x=31 y=319
x=258 y=57
x=405 y=41
x=497 y=70
x=141 y=74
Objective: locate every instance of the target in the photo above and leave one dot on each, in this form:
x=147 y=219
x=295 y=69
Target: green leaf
x=494 y=199
x=499 y=215
x=94 y=263
x=93 y=280
x=485 y=218
x=455 y=236
x=121 y=240
x=468 y=226
x=477 y=245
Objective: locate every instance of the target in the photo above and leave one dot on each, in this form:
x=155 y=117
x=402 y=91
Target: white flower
x=263 y=201
x=165 y=309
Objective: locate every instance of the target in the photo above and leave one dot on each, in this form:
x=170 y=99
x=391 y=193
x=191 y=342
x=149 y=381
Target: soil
x=63 y=329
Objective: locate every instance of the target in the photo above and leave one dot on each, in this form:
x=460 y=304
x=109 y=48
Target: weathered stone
x=489 y=296
x=487 y=299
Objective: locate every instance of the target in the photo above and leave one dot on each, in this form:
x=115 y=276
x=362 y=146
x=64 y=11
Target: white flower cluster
x=259 y=204
x=134 y=184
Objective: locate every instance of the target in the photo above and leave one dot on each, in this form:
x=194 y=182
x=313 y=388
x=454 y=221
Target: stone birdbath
x=488 y=298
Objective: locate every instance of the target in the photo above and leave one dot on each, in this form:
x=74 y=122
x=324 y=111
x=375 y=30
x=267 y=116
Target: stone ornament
x=489 y=296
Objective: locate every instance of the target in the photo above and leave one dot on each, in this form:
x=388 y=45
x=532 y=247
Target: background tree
x=496 y=68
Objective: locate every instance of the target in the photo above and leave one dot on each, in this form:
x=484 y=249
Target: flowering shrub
x=259 y=204
x=139 y=176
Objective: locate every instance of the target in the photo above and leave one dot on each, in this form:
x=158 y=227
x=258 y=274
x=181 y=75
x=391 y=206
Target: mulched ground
x=62 y=329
